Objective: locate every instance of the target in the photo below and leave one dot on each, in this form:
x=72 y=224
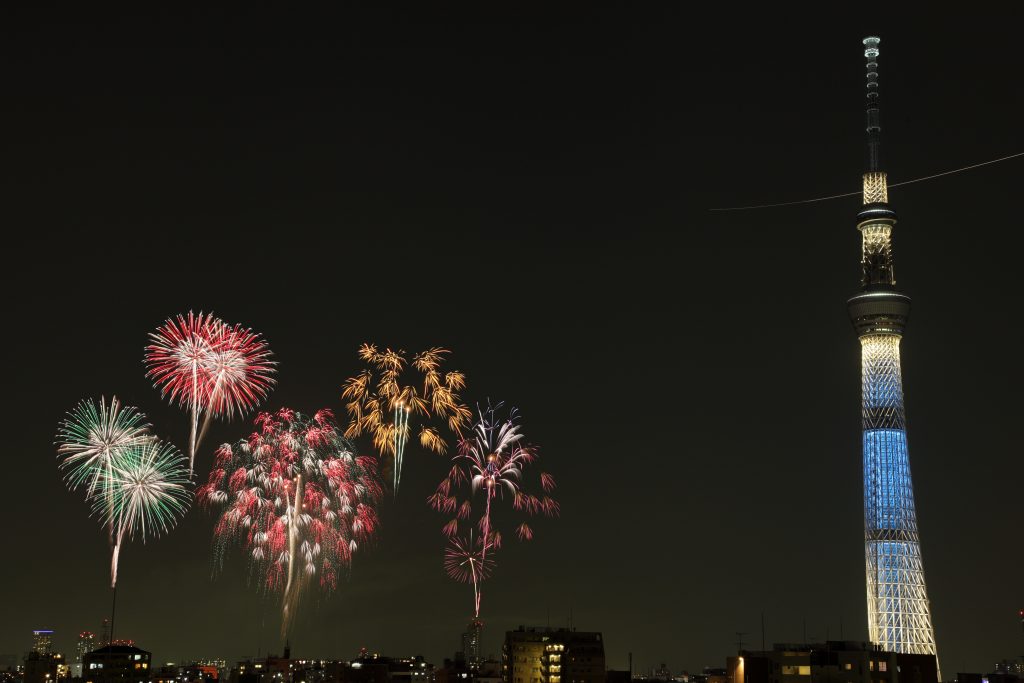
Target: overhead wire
x=853 y=194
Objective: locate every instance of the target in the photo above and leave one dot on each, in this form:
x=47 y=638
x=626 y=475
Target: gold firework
x=380 y=406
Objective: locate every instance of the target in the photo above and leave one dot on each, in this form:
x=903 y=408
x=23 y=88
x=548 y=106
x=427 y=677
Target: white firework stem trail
x=208 y=414
x=115 y=554
x=487 y=524
x=195 y=422
x=400 y=439
x=290 y=594
x=476 y=590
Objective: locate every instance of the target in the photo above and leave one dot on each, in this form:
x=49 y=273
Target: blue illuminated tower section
x=899 y=616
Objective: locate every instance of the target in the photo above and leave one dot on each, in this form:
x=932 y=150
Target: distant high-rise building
x=547 y=655
x=42 y=641
x=899 y=615
x=471 y=643
x=1012 y=667
x=86 y=643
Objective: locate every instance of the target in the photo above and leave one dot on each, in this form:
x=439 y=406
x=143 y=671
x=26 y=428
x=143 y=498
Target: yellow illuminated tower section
x=899 y=615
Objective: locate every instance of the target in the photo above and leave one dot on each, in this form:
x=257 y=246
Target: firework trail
x=467 y=564
x=210 y=368
x=133 y=482
x=377 y=392
x=296 y=498
x=491 y=462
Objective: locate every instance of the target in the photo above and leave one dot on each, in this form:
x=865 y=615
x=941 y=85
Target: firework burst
x=491 y=463
x=209 y=368
x=379 y=405
x=296 y=498
x=467 y=563
x=135 y=484
x=145 y=491
x=91 y=434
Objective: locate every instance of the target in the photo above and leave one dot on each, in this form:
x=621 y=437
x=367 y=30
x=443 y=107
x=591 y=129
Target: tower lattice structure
x=899 y=614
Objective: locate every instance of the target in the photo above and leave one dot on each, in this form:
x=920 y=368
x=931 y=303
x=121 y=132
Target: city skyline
x=687 y=375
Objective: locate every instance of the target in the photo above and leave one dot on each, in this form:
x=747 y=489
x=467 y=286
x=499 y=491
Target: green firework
x=145 y=491
x=90 y=436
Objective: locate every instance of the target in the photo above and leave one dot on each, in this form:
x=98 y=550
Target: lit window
x=883 y=666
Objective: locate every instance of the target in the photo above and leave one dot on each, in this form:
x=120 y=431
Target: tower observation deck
x=899 y=615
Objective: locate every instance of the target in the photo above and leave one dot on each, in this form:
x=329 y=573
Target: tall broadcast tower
x=899 y=617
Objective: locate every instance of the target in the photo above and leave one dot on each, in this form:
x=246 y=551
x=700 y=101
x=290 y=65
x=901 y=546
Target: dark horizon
x=530 y=191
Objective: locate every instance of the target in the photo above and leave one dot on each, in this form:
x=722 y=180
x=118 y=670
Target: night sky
x=530 y=191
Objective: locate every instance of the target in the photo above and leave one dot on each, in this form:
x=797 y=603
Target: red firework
x=296 y=497
x=238 y=372
x=178 y=356
x=208 y=367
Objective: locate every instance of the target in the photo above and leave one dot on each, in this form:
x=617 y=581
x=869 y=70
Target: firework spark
x=209 y=368
x=492 y=462
x=377 y=392
x=298 y=500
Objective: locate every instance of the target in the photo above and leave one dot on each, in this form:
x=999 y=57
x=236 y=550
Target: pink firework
x=491 y=462
x=466 y=563
x=296 y=497
x=209 y=368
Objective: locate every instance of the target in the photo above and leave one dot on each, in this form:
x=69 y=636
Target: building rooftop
x=119 y=650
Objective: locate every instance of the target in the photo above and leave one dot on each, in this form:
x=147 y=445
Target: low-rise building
x=117 y=664
x=45 y=667
x=830 y=662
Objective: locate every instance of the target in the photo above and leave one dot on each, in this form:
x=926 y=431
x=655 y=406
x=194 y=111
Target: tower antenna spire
x=874 y=124
x=876 y=190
